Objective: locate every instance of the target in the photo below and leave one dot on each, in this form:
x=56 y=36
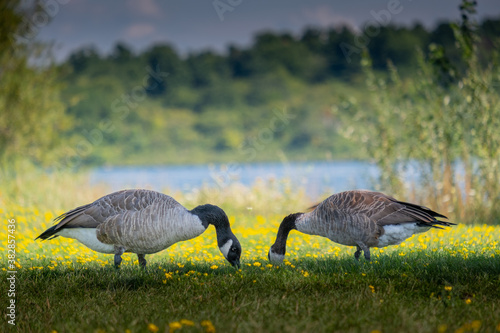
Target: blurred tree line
x=266 y=101
x=207 y=106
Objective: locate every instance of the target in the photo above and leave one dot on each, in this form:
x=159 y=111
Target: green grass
x=440 y=281
x=408 y=295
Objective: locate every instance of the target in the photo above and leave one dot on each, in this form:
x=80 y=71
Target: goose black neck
x=288 y=224
x=210 y=214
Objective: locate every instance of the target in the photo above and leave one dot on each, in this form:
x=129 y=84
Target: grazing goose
x=358 y=218
x=142 y=222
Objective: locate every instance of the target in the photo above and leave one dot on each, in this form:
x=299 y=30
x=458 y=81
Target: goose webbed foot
x=142 y=260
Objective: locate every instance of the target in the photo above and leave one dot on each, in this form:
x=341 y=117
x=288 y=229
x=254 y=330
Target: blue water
x=318 y=178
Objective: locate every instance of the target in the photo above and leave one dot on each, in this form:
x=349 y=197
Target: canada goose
x=142 y=222
x=358 y=218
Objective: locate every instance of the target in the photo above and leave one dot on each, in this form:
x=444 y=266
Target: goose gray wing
x=111 y=206
x=382 y=209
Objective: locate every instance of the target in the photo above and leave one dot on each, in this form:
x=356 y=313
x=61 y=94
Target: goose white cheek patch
x=225 y=248
x=276 y=258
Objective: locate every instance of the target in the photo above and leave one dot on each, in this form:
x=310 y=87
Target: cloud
x=147 y=8
x=139 y=30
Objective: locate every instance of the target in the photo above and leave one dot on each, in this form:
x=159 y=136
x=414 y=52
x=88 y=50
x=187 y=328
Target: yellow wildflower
x=209 y=327
x=476 y=325
x=173 y=326
x=187 y=322
x=152 y=327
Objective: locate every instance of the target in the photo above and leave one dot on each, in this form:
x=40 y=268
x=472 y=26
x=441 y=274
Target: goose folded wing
x=110 y=206
x=388 y=210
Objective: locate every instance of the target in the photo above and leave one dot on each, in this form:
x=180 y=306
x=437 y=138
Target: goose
x=358 y=218
x=142 y=222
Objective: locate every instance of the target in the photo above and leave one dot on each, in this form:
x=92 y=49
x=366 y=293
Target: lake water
x=317 y=178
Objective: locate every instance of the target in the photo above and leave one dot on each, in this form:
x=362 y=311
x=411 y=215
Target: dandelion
x=152 y=327
x=214 y=267
x=372 y=288
x=173 y=326
x=187 y=322
x=448 y=288
x=209 y=327
x=257 y=264
x=468 y=301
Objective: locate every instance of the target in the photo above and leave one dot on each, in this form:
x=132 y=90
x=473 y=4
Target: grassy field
x=441 y=281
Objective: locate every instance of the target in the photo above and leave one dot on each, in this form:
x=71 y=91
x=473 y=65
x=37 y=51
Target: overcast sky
x=196 y=24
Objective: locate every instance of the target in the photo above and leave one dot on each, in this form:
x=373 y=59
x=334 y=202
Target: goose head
x=277 y=251
x=232 y=251
x=228 y=244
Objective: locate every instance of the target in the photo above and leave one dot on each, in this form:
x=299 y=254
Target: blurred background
x=287 y=97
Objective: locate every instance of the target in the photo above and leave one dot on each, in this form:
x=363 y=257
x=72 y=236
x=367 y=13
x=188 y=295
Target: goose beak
x=236 y=263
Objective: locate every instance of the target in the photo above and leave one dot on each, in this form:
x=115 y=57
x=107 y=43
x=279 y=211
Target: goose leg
x=357 y=253
x=366 y=250
x=142 y=260
x=119 y=250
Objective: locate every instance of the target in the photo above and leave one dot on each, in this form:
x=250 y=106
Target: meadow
x=283 y=97
x=440 y=281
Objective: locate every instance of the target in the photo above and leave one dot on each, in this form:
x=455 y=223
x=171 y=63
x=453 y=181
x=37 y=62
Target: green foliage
x=164 y=107
x=446 y=119
x=31 y=113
